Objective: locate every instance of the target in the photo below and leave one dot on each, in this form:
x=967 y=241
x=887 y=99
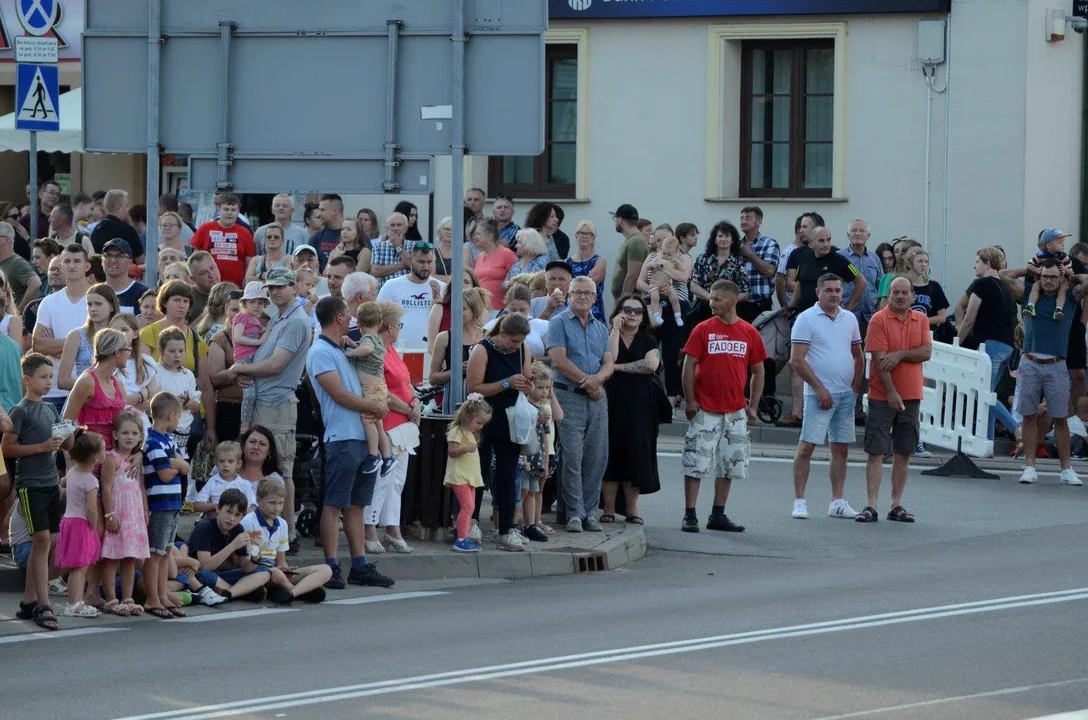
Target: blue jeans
x=999 y=354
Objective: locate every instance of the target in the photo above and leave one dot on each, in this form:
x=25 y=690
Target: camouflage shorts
x=717 y=446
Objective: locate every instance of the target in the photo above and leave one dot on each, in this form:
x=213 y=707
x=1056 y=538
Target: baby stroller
x=774 y=328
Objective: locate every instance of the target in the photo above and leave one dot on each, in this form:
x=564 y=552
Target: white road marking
x=234 y=614
x=1000 y=471
x=56 y=634
x=961 y=698
x=384 y=598
x=566 y=662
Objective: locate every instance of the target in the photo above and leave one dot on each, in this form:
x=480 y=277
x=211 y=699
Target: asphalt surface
x=978 y=610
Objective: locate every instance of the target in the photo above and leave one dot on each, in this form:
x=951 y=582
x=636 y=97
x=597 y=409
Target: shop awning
x=68 y=140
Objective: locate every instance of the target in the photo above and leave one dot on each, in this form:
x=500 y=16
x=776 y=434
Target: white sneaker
x=57 y=588
x=474 y=533
x=841 y=509
x=800 y=509
x=1028 y=476
x=511 y=541
x=210 y=597
x=1069 y=477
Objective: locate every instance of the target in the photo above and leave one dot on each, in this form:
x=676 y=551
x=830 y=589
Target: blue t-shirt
x=1045 y=335
x=340 y=422
x=161 y=449
x=585 y=344
x=207 y=537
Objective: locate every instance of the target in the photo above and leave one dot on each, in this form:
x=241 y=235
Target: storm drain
x=594 y=562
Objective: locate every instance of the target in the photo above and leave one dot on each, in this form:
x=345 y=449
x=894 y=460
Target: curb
x=622 y=547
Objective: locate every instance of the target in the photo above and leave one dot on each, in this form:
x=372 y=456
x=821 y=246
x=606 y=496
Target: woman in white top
x=517 y=303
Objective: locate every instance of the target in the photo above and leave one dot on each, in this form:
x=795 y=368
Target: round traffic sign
x=38 y=16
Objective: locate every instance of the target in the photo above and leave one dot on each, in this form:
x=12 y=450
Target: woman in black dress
x=631 y=423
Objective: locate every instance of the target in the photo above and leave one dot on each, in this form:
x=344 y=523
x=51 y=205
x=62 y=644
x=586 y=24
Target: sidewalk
x=564 y=554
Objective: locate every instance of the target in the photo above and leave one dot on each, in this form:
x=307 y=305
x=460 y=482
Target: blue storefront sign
x=626 y=9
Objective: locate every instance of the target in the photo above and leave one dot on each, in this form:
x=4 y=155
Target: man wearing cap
x=203 y=275
x=416 y=292
x=276 y=370
x=20 y=275
x=116 y=261
x=633 y=251
x=388 y=257
x=306 y=256
x=557 y=277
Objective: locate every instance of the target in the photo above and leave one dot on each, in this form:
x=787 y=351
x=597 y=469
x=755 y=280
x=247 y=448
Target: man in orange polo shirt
x=900 y=342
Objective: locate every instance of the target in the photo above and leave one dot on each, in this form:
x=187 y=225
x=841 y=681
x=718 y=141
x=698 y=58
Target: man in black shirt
x=806 y=265
x=114 y=225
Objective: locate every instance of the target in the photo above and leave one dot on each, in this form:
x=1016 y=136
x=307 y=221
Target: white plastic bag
x=522 y=418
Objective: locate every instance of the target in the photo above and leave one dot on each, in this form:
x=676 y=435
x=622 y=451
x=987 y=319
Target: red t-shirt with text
x=723 y=354
x=231 y=248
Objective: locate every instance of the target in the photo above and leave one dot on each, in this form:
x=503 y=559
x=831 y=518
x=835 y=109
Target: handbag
x=522 y=419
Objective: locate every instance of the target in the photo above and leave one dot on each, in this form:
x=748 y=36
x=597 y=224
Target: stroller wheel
x=770 y=409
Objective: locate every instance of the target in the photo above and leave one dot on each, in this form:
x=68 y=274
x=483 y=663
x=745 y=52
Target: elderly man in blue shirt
x=868 y=262
x=579 y=350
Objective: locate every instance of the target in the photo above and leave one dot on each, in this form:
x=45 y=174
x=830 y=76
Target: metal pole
x=390 y=184
x=33 y=186
x=457 y=147
x=222 y=179
x=154 y=52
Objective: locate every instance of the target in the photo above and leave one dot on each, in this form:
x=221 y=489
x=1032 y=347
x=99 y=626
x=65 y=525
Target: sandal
x=44 y=618
x=26 y=610
x=548 y=529
x=607 y=518
x=133 y=608
x=113 y=607
x=635 y=520
x=900 y=514
x=160 y=612
x=80 y=610
x=176 y=611
x=867 y=515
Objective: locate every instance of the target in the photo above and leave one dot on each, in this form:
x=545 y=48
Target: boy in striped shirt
x=163 y=468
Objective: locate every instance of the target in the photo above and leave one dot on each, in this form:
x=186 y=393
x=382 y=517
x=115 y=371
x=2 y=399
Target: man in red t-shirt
x=718 y=356
x=229 y=242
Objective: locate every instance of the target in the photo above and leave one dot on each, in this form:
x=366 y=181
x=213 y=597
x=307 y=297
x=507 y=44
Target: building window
x=553 y=173
x=787 y=118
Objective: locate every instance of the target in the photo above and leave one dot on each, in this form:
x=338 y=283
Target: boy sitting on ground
x=270 y=551
x=219 y=544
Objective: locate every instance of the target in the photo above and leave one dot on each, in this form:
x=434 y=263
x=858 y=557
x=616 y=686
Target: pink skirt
x=78 y=546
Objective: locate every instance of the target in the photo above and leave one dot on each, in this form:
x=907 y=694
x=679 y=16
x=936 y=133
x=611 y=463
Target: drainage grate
x=591 y=563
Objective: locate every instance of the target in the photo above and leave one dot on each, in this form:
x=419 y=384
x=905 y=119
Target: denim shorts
x=836 y=424
x=232 y=576
x=345 y=482
x=21 y=554
x=161 y=530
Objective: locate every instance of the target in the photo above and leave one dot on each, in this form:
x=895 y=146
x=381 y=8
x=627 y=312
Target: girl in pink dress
x=125 y=506
x=78 y=544
x=97 y=397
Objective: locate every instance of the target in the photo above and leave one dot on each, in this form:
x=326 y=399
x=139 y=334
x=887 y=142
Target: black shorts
x=888 y=430
x=41 y=508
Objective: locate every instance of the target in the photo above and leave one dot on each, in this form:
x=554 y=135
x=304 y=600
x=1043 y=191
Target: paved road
x=977 y=611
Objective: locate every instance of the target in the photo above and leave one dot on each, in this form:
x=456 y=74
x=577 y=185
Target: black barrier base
x=959 y=465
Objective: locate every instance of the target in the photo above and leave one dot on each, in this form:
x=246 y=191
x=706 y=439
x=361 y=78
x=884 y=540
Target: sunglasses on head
x=235 y=295
x=422 y=245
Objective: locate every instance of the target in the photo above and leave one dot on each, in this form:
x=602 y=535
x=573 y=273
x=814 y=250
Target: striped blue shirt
x=161 y=449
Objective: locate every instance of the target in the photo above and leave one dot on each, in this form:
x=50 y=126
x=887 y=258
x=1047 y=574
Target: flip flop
x=635 y=520
x=176 y=611
x=607 y=518
x=160 y=612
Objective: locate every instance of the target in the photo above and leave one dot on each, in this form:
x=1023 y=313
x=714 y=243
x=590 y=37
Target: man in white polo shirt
x=826 y=353
x=61 y=312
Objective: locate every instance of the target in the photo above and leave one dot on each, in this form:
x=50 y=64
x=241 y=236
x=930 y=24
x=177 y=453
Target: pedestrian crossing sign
x=37 y=98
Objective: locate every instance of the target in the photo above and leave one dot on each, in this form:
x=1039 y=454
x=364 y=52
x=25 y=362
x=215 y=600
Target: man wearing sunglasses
x=416 y=292
x=1043 y=371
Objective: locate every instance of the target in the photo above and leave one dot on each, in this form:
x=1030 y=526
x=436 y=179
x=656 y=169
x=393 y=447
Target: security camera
x=1079 y=24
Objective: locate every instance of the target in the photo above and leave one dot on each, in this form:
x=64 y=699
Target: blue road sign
x=37 y=98
x=38 y=16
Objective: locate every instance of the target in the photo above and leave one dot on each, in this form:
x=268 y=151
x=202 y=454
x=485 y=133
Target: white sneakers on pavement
x=800 y=509
x=1028 y=476
x=1069 y=477
x=841 y=509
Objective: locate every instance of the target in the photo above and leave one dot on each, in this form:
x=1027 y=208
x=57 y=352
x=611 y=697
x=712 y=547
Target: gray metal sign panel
x=312 y=77
x=266 y=175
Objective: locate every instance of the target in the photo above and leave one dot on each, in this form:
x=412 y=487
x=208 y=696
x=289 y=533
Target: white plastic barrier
x=956 y=410
x=956 y=400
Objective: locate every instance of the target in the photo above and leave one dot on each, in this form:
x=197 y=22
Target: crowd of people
x=256 y=345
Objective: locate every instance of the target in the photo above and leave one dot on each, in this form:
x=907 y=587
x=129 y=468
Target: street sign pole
x=154 y=54
x=33 y=185
x=457 y=151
